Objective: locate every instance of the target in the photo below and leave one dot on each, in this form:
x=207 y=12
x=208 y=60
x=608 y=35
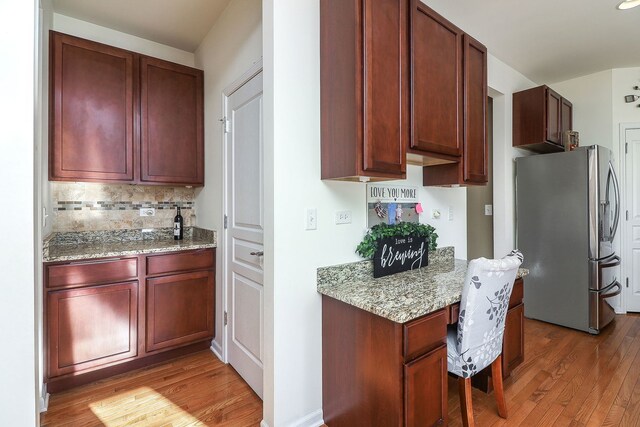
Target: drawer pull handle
x=257 y=253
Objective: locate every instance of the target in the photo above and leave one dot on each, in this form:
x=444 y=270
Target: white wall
x=87 y=30
x=503 y=82
x=18 y=370
x=591 y=97
x=230 y=48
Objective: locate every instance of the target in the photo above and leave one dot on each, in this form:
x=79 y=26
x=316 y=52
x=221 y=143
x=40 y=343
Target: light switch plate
x=488 y=210
x=311 y=219
x=343 y=217
x=450 y=213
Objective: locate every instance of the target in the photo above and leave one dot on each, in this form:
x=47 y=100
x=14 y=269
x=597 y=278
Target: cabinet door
x=475 y=112
x=553 y=117
x=425 y=389
x=179 y=310
x=436 y=82
x=91 y=327
x=172 y=131
x=91 y=111
x=513 y=343
x=386 y=86
x=566 y=119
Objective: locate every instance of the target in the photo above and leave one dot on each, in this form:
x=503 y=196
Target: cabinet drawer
x=454 y=313
x=83 y=273
x=201 y=259
x=425 y=334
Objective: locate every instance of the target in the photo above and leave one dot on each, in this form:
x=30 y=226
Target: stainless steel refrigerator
x=567 y=214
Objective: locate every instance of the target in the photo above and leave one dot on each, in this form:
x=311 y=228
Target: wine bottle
x=177 y=226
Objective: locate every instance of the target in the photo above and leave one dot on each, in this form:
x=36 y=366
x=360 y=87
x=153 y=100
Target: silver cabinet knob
x=258 y=253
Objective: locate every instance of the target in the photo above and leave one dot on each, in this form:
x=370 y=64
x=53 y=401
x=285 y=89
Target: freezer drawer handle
x=615 y=284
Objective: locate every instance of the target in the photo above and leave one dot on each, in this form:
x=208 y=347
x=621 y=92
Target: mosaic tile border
x=103 y=205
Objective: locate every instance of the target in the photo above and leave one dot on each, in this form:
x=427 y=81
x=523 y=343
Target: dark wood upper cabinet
x=436 y=83
x=449 y=99
x=117 y=116
x=540 y=119
x=566 y=120
x=92 y=111
x=364 y=88
x=171 y=123
x=475 y=112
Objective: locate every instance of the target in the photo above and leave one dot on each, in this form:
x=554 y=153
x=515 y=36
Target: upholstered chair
x=476 y=341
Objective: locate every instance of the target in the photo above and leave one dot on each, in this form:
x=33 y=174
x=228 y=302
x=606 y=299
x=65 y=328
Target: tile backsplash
x=79 y=206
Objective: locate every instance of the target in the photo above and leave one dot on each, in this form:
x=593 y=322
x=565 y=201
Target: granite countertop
x=100 y=244
x=399 y=297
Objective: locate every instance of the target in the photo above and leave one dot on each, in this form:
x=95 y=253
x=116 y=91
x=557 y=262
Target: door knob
x=258 y=253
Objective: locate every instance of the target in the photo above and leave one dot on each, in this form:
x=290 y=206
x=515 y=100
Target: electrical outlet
x=343 y=217
x=147 y=212
x=488 y=210
x=450 y=213
x=435 y=214
x=311 y=219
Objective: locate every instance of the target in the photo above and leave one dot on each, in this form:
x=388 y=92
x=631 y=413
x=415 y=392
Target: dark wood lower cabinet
x=513 y=344
x=91 y=326
x=376 y=372
x=179 y=309
x=425 y=389
x=96 y=330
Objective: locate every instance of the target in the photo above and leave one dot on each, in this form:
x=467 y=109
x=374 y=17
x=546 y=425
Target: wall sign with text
x=391 y=204
x=397 y=254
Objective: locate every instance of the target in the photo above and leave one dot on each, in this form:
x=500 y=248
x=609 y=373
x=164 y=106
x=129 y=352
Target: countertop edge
x=130 y=252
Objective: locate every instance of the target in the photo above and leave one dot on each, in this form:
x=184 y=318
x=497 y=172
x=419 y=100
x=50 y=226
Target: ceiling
x=550 y=40
x=178 y=23
x=546 y=40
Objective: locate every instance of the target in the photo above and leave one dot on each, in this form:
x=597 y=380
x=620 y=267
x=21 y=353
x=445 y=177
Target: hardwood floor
x=569 y=378
x=195 y=390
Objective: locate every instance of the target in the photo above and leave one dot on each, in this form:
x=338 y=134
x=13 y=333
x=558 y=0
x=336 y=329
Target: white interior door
x=244 y=236
x=631 y=232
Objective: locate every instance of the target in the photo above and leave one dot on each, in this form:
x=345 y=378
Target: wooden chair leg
x=464 y=388
x=498 y=387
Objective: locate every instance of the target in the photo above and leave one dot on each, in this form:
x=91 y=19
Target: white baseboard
x=44 y=399
x=314 y=419
x=217 y=350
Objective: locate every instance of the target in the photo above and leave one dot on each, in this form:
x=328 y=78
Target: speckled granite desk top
x=399 y=297
x=101 y=244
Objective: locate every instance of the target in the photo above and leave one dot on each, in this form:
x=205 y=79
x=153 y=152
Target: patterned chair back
x=483 y=308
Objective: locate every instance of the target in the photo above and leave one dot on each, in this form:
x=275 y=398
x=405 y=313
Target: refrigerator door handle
x=615 y=284
x=610 y=261
x=616 y=188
